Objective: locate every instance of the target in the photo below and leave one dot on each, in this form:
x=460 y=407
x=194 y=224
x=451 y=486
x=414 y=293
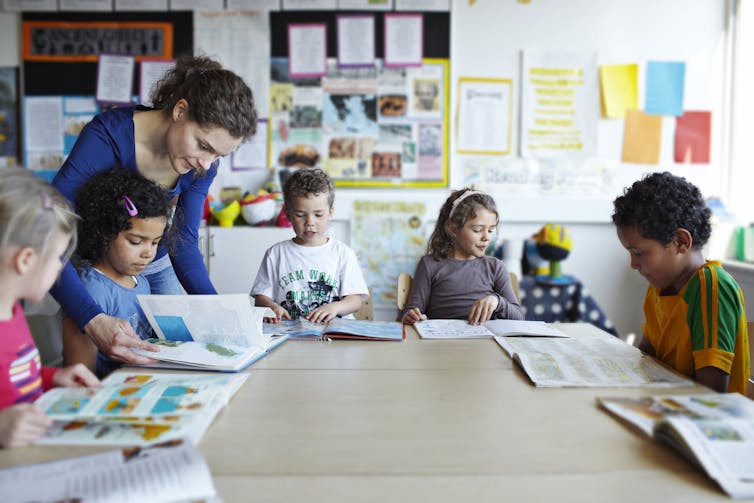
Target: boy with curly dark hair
x=694 y=310
x=123 y=220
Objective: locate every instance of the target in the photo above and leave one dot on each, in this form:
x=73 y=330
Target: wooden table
x=426 y=420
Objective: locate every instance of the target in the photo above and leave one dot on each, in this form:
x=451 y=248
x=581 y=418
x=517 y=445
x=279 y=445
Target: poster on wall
x=366 y=127
x=485 y=113
x=56 y=122
x=559 y=104
x=388 y=237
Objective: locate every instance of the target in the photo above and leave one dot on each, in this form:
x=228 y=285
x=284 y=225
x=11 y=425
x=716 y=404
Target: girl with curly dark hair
x=123 y=220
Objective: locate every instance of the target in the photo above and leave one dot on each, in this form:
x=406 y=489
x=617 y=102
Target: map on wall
x=373 y=126
x=389 y=238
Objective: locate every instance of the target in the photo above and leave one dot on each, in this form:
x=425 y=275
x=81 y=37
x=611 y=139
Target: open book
x=137 y=408
x=177 y=472
x=715 y=431
x=587 y=362
x=207 y=332
x=461 y=329
x=339 y=328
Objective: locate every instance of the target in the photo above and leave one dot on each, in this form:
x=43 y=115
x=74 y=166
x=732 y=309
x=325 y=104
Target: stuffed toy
x=260 y=209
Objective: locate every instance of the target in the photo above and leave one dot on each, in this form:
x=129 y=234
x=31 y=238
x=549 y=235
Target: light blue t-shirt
x=118 y=301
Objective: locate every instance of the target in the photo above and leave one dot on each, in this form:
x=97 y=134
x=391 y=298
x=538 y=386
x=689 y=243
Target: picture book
x=339 y=328
x=177 y=472
x=207 y=332
x=587 y=362
x=715 y=431
x=461 y=329
x=137 y=408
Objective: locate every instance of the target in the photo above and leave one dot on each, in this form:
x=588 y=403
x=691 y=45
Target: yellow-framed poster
x=366 y=126
x=483 y=118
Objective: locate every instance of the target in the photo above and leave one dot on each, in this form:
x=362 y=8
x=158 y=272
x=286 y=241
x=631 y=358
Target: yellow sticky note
x=641 y=137
x=620 y=89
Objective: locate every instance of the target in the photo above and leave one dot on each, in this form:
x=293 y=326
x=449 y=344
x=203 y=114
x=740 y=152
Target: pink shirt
x=22 y=377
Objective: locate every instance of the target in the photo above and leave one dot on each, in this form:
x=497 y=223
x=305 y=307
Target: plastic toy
x=226 y=214
x=554 y=244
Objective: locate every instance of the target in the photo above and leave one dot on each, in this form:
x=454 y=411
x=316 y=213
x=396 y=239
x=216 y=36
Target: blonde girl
x=37 y=236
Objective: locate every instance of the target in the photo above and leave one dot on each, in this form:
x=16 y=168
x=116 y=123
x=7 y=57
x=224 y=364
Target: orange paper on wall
x=641 y=137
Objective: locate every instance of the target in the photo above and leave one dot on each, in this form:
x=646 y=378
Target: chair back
x=404 y=287
x=367 y=309
x=514 y=284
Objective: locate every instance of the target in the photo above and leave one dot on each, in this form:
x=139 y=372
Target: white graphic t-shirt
x=302 y=278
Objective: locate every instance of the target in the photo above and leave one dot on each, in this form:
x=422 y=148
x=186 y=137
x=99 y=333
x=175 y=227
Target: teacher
x=200 y=113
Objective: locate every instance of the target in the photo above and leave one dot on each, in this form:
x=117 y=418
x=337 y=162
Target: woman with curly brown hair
x=200 y=113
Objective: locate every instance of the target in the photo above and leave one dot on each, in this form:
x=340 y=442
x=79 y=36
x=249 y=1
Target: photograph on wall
x=365 y=126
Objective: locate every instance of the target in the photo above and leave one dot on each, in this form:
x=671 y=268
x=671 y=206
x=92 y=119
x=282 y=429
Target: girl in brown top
x=455 y=279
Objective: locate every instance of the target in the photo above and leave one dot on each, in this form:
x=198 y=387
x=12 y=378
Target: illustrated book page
x=713 y=430
x=339 y=328
x=587 y=362
x=208 y=332
x=461 y=329
x=137 y=408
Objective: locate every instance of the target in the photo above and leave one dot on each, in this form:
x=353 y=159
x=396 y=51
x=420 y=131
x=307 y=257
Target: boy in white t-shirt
x=311 y=275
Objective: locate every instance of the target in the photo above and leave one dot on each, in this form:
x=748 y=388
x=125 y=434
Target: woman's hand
x=115 y=338
x=483 y=309
x=412 y=316
x=22 y=424
x=75 y=376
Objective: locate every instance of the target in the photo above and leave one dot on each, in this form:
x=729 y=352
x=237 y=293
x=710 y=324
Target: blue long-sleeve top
x=108 y=142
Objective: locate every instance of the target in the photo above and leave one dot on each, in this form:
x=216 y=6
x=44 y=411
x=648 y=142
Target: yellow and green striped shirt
x=704 y=325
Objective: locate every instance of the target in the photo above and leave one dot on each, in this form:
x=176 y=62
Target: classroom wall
x=485 y=39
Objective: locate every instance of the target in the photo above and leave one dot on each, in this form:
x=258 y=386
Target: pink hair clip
x=130 y=206
x=47 y=202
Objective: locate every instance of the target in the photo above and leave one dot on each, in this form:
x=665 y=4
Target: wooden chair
x=514 y=284
x=404 y=287
x=367 y=309
x=750 y=385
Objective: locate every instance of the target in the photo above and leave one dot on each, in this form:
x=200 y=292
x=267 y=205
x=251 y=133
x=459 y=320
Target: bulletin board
x=60 y=49
x=368 y=126
x=59 y=63
x=489 y=40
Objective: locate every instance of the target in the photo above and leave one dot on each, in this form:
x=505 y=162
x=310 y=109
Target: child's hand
x=412 y=316
x=75 y=376
x=323 y=313
x=483 y=309
x=280 y=314
x=22 y=424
